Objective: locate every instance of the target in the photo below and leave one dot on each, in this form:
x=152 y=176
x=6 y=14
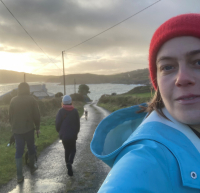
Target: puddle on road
x=41 y=186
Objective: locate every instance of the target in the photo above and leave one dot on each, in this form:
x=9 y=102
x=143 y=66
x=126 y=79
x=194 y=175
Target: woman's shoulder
x=61 y=111
x=153 y=166
x=75 y=111
x=139 y=167
x=144 y=152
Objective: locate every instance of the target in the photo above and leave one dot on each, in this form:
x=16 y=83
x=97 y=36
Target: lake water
x=96 y=90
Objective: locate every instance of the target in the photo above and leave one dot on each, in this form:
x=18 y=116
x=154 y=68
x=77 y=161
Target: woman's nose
x=185 y=77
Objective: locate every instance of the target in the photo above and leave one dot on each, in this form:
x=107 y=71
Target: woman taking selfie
x=158 y=150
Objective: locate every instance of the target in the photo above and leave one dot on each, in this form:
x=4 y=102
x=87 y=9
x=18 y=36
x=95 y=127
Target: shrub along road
x=51 y=177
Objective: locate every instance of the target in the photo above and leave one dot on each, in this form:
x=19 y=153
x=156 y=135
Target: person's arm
x=36 y=115
x=10 y=112
x=58 y=121
x=78 y=120
x=139 y=168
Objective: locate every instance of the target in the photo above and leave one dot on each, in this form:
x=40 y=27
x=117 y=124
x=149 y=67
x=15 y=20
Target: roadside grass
x=47 y=136
x=110 y=107
x=113 y=103
x=142 y=95
x=116 y=102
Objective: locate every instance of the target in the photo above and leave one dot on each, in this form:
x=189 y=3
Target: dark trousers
x=21 y=140
x=70 y=150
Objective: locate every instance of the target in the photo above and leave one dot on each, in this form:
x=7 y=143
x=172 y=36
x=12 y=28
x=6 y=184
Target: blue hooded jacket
x=160 y=156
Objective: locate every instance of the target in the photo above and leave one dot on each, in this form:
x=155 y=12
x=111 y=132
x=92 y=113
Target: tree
x=59 y=95
x=83 y=89
x=77 y=97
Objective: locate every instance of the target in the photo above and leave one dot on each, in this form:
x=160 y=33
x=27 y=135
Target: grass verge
x=112 y=105
x=47 y=136
x=116 y=102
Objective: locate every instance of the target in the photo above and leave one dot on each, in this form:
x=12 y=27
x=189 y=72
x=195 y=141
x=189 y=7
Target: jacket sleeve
x=10 y=113
x=58 y=121
x=140 y=168
x=78 y=121
x=36 y=114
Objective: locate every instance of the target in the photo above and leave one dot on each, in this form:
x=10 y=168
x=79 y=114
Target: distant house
x=40 y=91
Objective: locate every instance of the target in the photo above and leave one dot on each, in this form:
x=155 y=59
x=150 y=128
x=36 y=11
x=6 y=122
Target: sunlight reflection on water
x=96 y=90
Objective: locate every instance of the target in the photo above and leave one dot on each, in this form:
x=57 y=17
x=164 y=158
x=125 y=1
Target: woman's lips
x=188 y=99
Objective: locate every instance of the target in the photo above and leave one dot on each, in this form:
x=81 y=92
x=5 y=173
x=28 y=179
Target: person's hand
x=37 y=132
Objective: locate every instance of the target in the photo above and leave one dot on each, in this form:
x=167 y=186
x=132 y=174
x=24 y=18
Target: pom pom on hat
x=67 y=100
x=182 y=25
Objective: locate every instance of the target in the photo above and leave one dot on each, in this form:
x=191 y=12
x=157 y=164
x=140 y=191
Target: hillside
x=7 y=76
x=137 y=95
x=133 y=77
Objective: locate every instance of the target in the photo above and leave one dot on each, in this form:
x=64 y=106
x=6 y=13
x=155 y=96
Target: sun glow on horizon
x=38 y=63
x=20 y=62
x=26 y=62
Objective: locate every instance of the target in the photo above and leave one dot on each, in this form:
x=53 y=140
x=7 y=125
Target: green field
x=142 y=95
x=135 y=96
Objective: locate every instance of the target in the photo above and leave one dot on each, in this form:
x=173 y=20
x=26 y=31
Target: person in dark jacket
x=68 y=126
x=24 y=117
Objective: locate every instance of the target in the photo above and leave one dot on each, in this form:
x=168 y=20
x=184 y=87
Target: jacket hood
x=23 y=89
x=113 y=131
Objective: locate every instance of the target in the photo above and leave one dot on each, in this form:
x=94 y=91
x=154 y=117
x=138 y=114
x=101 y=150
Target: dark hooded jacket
x=68 y=124
x=24 y=114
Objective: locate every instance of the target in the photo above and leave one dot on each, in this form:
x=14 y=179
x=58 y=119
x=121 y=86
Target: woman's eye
x=197 y=63
x=167 y=68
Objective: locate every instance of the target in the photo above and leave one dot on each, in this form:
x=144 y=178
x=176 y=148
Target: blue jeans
x=21 y=140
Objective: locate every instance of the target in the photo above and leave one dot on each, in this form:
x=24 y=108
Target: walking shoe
x=32 y=164
x=20 y=180
x=34 y=168
x=70 y=171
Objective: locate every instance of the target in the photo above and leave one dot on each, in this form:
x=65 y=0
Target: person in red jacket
x=68 y=126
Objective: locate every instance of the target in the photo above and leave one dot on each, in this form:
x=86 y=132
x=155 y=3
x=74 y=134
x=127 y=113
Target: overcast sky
x=57 y=25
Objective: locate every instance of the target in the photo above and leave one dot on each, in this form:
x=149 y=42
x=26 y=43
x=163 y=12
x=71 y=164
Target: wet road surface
x=51 y=177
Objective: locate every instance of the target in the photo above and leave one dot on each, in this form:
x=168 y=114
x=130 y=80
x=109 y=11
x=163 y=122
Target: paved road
x=51 y=177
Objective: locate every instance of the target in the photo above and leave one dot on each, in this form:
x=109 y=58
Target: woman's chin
x=188 y=118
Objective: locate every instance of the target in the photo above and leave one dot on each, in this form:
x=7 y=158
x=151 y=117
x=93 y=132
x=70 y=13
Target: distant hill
x=7 y=76
x=140 y=76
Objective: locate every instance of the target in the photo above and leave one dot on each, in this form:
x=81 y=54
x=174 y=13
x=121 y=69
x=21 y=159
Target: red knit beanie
x=182 y=25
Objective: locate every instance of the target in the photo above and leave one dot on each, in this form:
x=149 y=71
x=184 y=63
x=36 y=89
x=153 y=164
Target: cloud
x=61 y=24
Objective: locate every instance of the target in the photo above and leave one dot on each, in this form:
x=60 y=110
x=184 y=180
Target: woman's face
x=178 y=77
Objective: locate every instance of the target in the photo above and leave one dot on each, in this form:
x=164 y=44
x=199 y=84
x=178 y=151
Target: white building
x=40 y=91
